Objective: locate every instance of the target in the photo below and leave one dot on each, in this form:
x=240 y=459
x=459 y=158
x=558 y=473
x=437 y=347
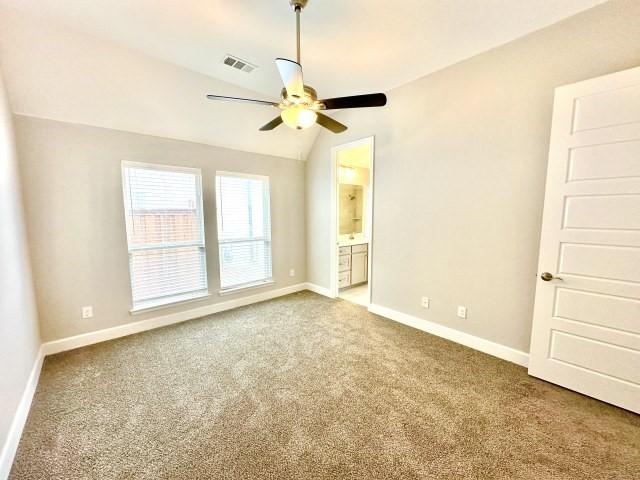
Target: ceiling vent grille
x=238 y=64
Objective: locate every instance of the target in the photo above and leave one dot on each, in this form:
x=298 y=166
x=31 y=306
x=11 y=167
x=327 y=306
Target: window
x=163 y=208
x=244 y=230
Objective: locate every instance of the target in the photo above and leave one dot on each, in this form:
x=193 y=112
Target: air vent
x=238 y=64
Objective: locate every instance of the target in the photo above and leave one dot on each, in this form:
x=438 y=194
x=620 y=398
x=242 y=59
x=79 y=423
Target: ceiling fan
x=299 y=102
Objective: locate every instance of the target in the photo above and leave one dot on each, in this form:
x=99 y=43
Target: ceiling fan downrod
x=298 y=5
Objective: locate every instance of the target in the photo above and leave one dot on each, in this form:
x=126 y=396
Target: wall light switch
x=462 y=311
x=292 y=272
x=87 y=312
x=425 y=302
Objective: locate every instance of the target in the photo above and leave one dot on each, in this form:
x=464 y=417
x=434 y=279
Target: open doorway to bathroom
x=352 y=220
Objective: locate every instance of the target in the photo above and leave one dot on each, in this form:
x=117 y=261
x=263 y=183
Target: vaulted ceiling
x=348 y=47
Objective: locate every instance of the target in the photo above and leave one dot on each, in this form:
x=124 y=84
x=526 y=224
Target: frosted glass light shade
x=298 y=117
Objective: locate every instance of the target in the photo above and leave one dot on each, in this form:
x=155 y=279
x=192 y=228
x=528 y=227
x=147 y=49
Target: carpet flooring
x=305 y=387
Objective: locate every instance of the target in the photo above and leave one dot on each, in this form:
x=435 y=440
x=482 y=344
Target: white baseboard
x=10 y=446
x=497 y=350
x=90 y=338
x=318 y=289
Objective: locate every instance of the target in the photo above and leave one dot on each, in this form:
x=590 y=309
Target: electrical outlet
x=87 y=312
x=425 y=302
x=462 y=311
x=292 y=272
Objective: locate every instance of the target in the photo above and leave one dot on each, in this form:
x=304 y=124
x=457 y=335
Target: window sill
x=232 y=290
x=172 y=302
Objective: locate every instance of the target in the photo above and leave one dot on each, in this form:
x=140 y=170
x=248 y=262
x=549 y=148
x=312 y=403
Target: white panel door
x=586 y=325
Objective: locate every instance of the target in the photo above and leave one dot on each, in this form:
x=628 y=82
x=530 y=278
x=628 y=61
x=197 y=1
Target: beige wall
x=73 y=199
x=459 y=174
x=19 y=338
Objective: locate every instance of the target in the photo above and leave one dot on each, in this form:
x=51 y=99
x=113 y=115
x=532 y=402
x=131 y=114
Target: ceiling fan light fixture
x=298 y=117
x=299 y=105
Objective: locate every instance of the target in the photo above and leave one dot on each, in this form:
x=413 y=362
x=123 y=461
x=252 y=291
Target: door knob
x=547 y=277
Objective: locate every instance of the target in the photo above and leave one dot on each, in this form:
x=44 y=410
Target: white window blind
x=163 y=208
x=244 y=229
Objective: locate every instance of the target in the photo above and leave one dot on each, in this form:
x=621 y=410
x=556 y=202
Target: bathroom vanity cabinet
x=352 y=264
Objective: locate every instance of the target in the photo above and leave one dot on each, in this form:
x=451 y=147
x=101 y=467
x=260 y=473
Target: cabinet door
x=359 y=248
x=344 y=279
x=358 y=268
x=344 y=263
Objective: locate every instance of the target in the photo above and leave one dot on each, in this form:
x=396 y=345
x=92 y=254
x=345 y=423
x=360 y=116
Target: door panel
x=608 y=262
x=606 y=212
x=608 y=108
x=613 y=336
x=586 y=327
x=595 y=309
x=599 y=162
x=601 y=357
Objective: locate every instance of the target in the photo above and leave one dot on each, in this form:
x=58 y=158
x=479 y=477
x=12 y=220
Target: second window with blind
x=244 y=230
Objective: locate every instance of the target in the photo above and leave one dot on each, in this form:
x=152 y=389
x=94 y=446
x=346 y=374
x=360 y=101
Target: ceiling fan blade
x=291 y=74
x=330 y=124
x=245 y=100
x=272 y=124
x=356 y=101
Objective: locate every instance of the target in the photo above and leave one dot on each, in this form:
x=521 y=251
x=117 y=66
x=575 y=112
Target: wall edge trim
x=90 y=338
x=318 y=289
x=477 y=343
x=10 y=447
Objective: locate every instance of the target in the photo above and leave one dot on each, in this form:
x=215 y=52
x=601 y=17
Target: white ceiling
x=349 y=47
x=57 y=73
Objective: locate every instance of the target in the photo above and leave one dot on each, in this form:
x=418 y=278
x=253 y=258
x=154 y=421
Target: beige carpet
x=304 y=387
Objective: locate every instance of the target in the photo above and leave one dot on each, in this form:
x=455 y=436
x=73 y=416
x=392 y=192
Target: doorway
x=352 y=167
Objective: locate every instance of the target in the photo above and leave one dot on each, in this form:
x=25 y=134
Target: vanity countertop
x=355 y=241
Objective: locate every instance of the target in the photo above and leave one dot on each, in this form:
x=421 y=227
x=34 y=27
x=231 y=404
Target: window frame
x=267 y=239
x=177 y=298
